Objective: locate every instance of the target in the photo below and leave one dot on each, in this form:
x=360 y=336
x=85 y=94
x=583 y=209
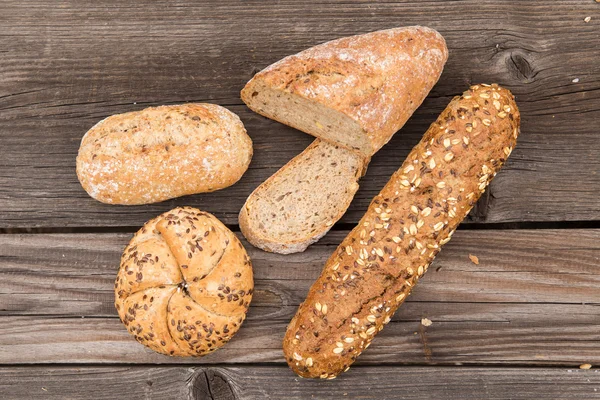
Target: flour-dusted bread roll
x=376 y=266
x=184 y=284
x=356 y=91
x=163 y=152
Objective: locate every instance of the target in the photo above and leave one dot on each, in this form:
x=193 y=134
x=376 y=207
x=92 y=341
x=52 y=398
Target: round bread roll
x=163 y=152
x=184 y=284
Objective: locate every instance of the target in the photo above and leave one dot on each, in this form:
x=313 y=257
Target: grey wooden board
x=533 y=299
x=73 y=274
x=469 y=334
x=63 y=68
x=254 y=382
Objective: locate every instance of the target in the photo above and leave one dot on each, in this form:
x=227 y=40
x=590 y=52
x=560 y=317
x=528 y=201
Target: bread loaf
x=374 y=269
x=355 y=91
x=163 y=152
x=184 y=284
x=298 y=204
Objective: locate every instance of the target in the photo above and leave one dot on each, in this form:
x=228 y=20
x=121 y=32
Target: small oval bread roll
x=185 y=283
x=163 y=152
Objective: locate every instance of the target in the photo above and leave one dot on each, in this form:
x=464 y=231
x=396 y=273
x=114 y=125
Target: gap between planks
x=337 y=227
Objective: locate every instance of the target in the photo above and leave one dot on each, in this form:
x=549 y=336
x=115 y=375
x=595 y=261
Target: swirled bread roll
x=184 y=284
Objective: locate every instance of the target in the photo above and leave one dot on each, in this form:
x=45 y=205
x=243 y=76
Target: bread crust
x=376 y=266
x=184 y=284
x=159 y=153
x=377 y=79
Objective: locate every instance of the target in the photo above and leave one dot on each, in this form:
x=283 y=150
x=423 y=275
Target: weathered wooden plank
x=464 y=333
x=101 y=383
x=533 y=299
x=252 y=382
x=64 y=68
x=73 y=274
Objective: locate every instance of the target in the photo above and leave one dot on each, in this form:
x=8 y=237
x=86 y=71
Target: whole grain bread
x=376 y=266
x=356 y=91
x=298 y=204
x=163 y=152
x=184 y=284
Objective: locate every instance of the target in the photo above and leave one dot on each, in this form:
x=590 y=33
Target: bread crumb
x=575 y=80
x=585 y=366
x=426 y=322
x=587 y=19
x=474 y=259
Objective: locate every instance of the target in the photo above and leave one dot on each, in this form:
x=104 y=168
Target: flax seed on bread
x=185 y=283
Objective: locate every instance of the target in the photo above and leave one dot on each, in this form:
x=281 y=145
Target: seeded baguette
x=163 y=152
x=184 y=284
x=355 y=91
x=299 y=203
x=376 y=266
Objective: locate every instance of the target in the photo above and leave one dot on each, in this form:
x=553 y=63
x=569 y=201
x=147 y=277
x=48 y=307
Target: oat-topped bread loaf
x=374 y=269
x=298 y=204
x=185 y=283
x=355 y=91
x=163 y=152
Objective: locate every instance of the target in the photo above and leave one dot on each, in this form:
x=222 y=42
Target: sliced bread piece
x=298 y=204
x=355 y=91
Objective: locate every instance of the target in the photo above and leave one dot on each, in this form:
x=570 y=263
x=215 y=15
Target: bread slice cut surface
x=298 y=204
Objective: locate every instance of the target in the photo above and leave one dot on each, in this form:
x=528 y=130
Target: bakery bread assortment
x=376 y=266
x=298 y=204
x=354 y=92
x=163 y=152
x=184 y=284
x=185 y=281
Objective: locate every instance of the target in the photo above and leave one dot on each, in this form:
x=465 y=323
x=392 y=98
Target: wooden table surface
x=518 y=325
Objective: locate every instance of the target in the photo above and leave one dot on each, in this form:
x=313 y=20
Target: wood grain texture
x=73 y=274
x=246 y=383
x=100 y=383
x=64 y=68
x=466 y=334
x=532 y=299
